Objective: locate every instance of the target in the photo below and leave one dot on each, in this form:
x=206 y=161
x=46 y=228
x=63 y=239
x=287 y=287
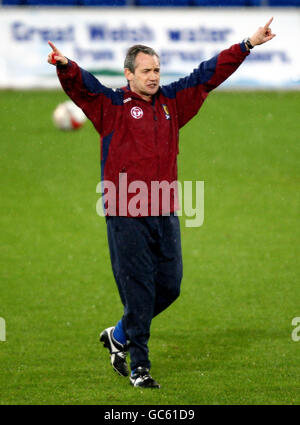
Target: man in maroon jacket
x=139 y=127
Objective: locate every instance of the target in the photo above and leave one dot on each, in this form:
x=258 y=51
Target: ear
x=128 y=74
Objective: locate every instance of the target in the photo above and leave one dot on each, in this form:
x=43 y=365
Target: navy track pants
x=147 y=265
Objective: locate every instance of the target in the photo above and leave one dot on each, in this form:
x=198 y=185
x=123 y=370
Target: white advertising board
x=97 y=39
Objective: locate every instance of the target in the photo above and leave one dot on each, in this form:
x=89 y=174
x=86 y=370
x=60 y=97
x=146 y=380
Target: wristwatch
x=248 y=43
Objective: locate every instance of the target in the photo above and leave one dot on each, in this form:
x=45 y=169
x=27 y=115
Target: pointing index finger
x=52 y=46
x=269 y=23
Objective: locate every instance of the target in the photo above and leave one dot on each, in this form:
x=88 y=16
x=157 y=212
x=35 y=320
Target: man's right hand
x=56 y=57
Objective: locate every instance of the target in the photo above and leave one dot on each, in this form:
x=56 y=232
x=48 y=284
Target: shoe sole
x=139 y=382
x=141 y=386
x=105 y=340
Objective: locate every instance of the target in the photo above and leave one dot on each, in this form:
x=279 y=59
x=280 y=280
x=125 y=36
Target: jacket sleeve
x=87 y=92
x=191 y=91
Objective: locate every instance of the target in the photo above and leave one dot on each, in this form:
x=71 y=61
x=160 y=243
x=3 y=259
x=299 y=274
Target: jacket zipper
x=155 y=136
x=155 y=128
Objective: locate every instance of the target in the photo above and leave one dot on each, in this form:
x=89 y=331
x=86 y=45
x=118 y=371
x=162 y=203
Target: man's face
x=145 y=79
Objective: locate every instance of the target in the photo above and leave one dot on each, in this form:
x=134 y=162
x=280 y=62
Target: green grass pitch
x=227 y=339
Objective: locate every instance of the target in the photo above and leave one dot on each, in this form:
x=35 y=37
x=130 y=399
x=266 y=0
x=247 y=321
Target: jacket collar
x=128 y=93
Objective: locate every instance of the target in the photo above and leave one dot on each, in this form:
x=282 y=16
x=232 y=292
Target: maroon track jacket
x=139 y=139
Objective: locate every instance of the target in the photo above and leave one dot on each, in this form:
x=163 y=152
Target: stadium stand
x=281 y=3
x=163 y=3
x=220 y=3
x=12 y=3
x=114 y=3
x=50 y=3
x=111 y=3
x=154 y=3
x=242 y=3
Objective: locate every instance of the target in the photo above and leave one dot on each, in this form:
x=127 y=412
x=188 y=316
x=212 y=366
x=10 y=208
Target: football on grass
x=67 y=116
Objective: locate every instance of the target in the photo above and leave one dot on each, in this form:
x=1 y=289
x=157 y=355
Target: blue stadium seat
x=163 y=3
x=13 y=2
x=284 y=3
x=222 y=3
x=64 y=2
x=111 y=3
x=51 y=2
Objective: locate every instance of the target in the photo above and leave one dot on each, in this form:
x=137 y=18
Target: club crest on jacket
x=136 y=112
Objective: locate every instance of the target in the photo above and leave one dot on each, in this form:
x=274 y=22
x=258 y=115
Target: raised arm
x=83 y=88
x=191 y=91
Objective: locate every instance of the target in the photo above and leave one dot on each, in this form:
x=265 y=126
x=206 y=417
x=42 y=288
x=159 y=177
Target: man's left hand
x=262 y=35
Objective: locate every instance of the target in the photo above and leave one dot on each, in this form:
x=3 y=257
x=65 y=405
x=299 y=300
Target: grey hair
x=132 y=53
